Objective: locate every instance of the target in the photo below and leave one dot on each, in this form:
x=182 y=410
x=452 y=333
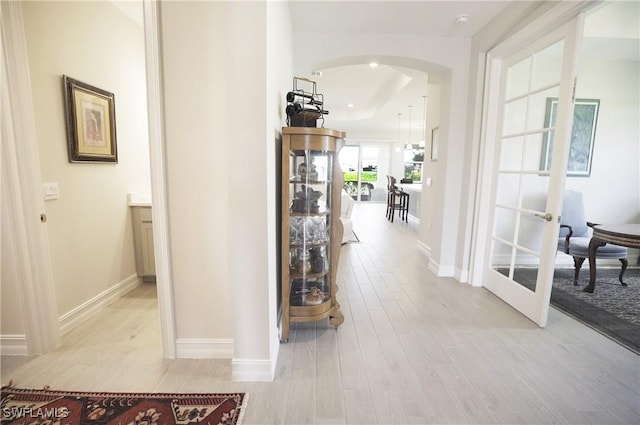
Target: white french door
x=526 y=183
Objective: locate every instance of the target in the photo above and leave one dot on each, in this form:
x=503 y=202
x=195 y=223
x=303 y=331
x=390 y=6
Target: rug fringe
x=243 y=407
x=10 y=385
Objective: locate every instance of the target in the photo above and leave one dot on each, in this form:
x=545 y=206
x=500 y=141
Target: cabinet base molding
x=204 y=348
x=96 y=304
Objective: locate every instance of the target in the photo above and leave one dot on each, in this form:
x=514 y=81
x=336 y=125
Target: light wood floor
x=413 y=349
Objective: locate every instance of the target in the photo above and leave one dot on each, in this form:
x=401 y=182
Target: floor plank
x=414 y=349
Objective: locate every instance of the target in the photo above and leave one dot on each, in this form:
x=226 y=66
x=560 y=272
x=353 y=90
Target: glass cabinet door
x=310 y=194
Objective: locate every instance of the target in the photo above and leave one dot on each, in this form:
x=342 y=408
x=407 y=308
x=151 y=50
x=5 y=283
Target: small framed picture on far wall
x=91 y=122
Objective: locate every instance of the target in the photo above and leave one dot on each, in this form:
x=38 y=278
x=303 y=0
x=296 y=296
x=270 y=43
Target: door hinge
x=573 y=94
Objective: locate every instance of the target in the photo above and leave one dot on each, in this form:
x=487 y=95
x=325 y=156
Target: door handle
x=547 y=216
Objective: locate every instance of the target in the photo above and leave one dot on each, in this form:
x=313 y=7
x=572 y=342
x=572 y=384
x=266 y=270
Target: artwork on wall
x=91 y=126
x=585 y=117
x=435 y=134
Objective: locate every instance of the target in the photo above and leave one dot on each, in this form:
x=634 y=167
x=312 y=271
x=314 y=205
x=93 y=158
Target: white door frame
x=20 y=167
x=22 y=188
x=160 y=208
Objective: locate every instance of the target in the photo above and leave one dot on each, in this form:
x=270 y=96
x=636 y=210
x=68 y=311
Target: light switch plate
x=50 y=191
x=428 y=181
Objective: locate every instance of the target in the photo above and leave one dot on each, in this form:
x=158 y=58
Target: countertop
x=139 y=199
x=411 y=187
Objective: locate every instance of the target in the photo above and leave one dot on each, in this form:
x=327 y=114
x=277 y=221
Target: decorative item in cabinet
x=311 y=226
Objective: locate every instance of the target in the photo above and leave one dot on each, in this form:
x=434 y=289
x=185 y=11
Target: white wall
x=89 y=226
x=222 y=173
x=279 y=79
x=428 y=207
x=252 y=239
x=612 y=192
x=198 y=172
x=446 y=59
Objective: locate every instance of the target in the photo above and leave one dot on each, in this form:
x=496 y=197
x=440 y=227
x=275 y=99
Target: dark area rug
x=612 y=309
x=24 y=406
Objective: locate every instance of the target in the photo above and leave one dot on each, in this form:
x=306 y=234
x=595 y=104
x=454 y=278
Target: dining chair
x=396 y=200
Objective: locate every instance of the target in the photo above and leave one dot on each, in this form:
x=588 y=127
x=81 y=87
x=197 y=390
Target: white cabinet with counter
x=143 y=239
x=415 y=194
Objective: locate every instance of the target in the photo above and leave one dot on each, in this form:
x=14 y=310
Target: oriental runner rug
x=24 y=406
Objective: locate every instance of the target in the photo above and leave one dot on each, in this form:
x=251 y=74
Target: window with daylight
x=413 y=161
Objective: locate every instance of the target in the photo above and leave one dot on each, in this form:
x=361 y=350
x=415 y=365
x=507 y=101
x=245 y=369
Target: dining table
x=617 y=234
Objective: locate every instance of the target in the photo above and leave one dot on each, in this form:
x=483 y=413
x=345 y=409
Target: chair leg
x=577 y=263
x=406 y=208
x=625 y=263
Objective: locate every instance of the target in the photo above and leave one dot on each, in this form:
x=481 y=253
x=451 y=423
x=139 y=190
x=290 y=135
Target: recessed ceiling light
x=351 y=105
x=373 y=64
x=463 y=19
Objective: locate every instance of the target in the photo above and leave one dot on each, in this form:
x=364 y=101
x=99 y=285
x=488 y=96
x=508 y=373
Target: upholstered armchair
x=574 y=236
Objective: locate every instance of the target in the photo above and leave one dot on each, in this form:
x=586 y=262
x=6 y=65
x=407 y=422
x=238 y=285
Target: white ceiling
x=421 y=17
x=380 y=94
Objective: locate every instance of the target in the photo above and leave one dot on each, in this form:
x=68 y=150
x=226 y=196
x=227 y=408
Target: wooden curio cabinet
x=311 y=226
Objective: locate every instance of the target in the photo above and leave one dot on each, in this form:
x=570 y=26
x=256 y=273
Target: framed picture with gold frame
x=91 y=122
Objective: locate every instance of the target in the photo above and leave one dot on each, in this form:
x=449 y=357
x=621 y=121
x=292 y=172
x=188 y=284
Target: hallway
x=414 y=348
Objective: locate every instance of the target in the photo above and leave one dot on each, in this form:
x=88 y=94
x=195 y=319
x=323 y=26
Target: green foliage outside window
x=367 y=176
x=413 y=171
